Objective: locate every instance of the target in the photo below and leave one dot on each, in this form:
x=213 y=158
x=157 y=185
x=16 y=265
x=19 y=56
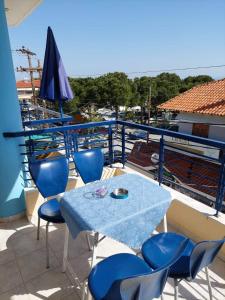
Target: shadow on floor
x=23 y=273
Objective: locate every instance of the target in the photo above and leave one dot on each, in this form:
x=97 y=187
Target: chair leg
x=89 y=296
x=47 y=247
x=38 y=228
x=88 y=241
x=209 y=283
x=84 y=290
x=176 y=289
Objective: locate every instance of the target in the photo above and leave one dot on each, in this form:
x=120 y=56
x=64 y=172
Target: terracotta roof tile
x=21 y=84
x=207 y=98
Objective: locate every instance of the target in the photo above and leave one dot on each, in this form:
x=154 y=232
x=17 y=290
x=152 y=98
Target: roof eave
x=18 y=10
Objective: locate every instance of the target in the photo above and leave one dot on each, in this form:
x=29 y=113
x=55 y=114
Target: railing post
x=110 y=145
x=161 y=160
x=65 y=140
x=221 y=185
x=123 y=146
x=75 y=142
x=74 y=146
x=31 y=148
x=66 y=137
x=70 y=143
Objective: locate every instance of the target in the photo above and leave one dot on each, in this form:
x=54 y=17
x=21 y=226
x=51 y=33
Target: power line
x=156 y=71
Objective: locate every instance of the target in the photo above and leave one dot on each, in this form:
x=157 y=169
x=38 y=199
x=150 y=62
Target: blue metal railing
x=112 y=136
x=48 y=121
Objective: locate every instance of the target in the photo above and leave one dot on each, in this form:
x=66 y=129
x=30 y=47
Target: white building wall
x=26 y=93
x=185 y=128
x=215 y=132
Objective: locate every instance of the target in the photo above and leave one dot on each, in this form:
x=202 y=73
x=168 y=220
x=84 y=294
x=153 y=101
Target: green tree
x=115 y=90
x=167 y=87
x=191 y=81
x=145 y=88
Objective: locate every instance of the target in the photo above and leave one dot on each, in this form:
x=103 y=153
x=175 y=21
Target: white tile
x=18 y=293
x=6 y=256
x=52 y=284
x=9 y=276
x=34 y=263
x=73 y=296
x=5 y=236
x=20 y=225
x=26 y=242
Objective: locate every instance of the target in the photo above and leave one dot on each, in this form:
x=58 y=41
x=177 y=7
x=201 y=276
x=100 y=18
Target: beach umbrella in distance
x=54 y=83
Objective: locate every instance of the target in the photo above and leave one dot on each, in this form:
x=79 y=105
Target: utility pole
x=149 y=103
x=39 y=69
x=149 y=107
x=29 y=54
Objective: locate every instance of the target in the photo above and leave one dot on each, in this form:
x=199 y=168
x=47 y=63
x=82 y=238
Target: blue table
x=129 y=221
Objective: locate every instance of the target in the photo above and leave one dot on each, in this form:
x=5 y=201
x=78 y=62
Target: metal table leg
x=165 y=224
x=93 y=261
x=209 y=283
x=65 y=251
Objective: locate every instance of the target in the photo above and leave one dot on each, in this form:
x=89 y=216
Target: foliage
x=130 y=115
x=167 y=86
x=116 y=89
x=192 y=81
x=94 y=118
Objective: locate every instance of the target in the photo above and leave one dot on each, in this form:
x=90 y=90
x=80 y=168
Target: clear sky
x=100 y=36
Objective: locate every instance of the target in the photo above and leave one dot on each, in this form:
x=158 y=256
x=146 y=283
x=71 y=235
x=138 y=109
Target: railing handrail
x=47 y=121
x=57 y=129
x=150 y=129
x=165 y=132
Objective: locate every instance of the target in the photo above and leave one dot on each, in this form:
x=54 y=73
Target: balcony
x=196 y=212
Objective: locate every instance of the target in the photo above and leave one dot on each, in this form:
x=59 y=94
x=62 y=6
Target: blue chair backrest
x=50 y=175
x=89 y=164
x=146 y=286
x=203 y=254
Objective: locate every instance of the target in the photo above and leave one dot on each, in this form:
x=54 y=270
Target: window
x=200 y=130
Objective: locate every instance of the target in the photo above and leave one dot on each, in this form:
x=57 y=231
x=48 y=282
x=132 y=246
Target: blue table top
x=129 y=221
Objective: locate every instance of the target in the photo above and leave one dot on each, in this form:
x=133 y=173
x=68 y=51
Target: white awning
x=18 y=10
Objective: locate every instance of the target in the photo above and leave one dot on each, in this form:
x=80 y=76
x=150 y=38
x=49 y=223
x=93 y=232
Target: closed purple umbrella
x=54 y=84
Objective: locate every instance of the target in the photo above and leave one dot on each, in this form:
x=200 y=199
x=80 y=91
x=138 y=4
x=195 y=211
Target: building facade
x=201 y=110
x=24 y=89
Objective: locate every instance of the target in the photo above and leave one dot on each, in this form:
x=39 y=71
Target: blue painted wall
x=11 y=181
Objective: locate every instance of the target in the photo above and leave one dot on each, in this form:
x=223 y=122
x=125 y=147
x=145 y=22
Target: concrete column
x=11 y=180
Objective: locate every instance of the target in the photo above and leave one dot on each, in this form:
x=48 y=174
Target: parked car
x=138 y=135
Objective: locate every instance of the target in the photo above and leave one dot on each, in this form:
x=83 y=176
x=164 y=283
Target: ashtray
x=120 y=193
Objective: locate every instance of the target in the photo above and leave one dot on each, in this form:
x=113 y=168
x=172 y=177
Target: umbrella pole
x=64 y=134
x=61 y=108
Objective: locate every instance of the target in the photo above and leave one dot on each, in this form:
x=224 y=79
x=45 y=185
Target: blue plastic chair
x=127 y=276
x=195 y=257
x=89 y=164
x=50 y=176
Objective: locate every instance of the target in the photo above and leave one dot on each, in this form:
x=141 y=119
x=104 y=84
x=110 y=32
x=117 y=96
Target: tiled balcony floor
x=23 y=274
